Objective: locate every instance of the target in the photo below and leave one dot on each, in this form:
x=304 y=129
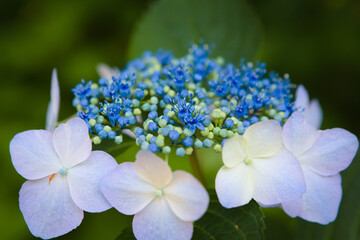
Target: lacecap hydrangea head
x=181 y=104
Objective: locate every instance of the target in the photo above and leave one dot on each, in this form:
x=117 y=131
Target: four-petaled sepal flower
x=257 y=166
x=63 y=177
x=164 y=203
x=322 y=155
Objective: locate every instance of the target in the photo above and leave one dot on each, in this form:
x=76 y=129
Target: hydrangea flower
x=257 y=166
x=322 y=155
x=164 y=203
x=63 y=177
x=311 y=109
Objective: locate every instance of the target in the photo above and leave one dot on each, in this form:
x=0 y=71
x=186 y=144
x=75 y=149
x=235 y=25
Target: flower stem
x=196 y=168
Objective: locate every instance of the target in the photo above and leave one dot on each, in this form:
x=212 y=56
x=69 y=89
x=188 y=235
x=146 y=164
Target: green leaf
x=231 y=25
x=219 y=223
x=126 y=234
x=239 y=223
x=114 y=149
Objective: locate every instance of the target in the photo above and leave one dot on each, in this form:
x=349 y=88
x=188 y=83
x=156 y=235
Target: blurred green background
x=316 y=42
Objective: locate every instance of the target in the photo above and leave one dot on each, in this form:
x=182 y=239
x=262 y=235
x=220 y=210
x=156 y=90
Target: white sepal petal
x=332 y=152
x=234 y=186
x=152 y=169
x=125 y=190
x=33 y=154
x=158 y=222
x=320 y=203
x=72 y=142
x=54 y=104
x=233 y=151
x=84 y=181
x=302 y=98
x=264 y=139
x=314 y=114
x=48 y=209
x=277 y=179
x=298 y=134
x=186 y=196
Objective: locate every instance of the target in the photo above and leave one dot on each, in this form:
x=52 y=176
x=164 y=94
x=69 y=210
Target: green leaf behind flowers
x=231 y=25
x=241 y=223
x=219 y=223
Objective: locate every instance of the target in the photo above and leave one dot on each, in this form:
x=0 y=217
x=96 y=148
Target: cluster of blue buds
x=181 y=104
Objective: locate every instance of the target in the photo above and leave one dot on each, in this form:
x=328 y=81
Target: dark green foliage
x=231 y=25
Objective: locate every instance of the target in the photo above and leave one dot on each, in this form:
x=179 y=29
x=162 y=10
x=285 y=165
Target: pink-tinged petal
x=105 y=71
x=233 y=151
x=298 y=134
x=332 y=152
x=125 y=190
x=314 y=114
x=186 y=196
x=320 y=203
x=158 y=222
x=72 y=142
x=302 y=98
x=152 y=169
x=84 y=181
x=234 y=186
x=277 y=179
x=264 y=138
x=33 y=154
x=54 y=104
x=48 y=208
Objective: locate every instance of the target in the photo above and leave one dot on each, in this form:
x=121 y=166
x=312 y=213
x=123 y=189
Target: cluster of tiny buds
x=182 y=104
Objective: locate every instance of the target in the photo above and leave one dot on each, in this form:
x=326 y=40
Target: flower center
x=248 y=161
x=159 y=192
x=62 y=171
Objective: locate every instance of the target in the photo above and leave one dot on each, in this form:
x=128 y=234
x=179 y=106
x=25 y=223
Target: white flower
x=63 y=177
x=322 y=155
x=164 y=203
x=311 y=109
x=257 y=166
x=54 y=104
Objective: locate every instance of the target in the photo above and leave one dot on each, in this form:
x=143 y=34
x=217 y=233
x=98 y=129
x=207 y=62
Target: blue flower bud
x=152 y=115
x=141 y=139
x=206 y=122
x=229 y=123
x=145 y=107
x=98 y=127
x=139 y=94
x=207 y=143
x=180 y=152
x=164 y=131
x=254 y=119
x=103 y=134
x=111 y=134
x=153 y=148
x=174 y=135
x=153 y=107
x=188 y=142
x=152 y=126
x=241 y=129
x=153 y=140
x=198 y=143
x=132 y=120
x=123 y=121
